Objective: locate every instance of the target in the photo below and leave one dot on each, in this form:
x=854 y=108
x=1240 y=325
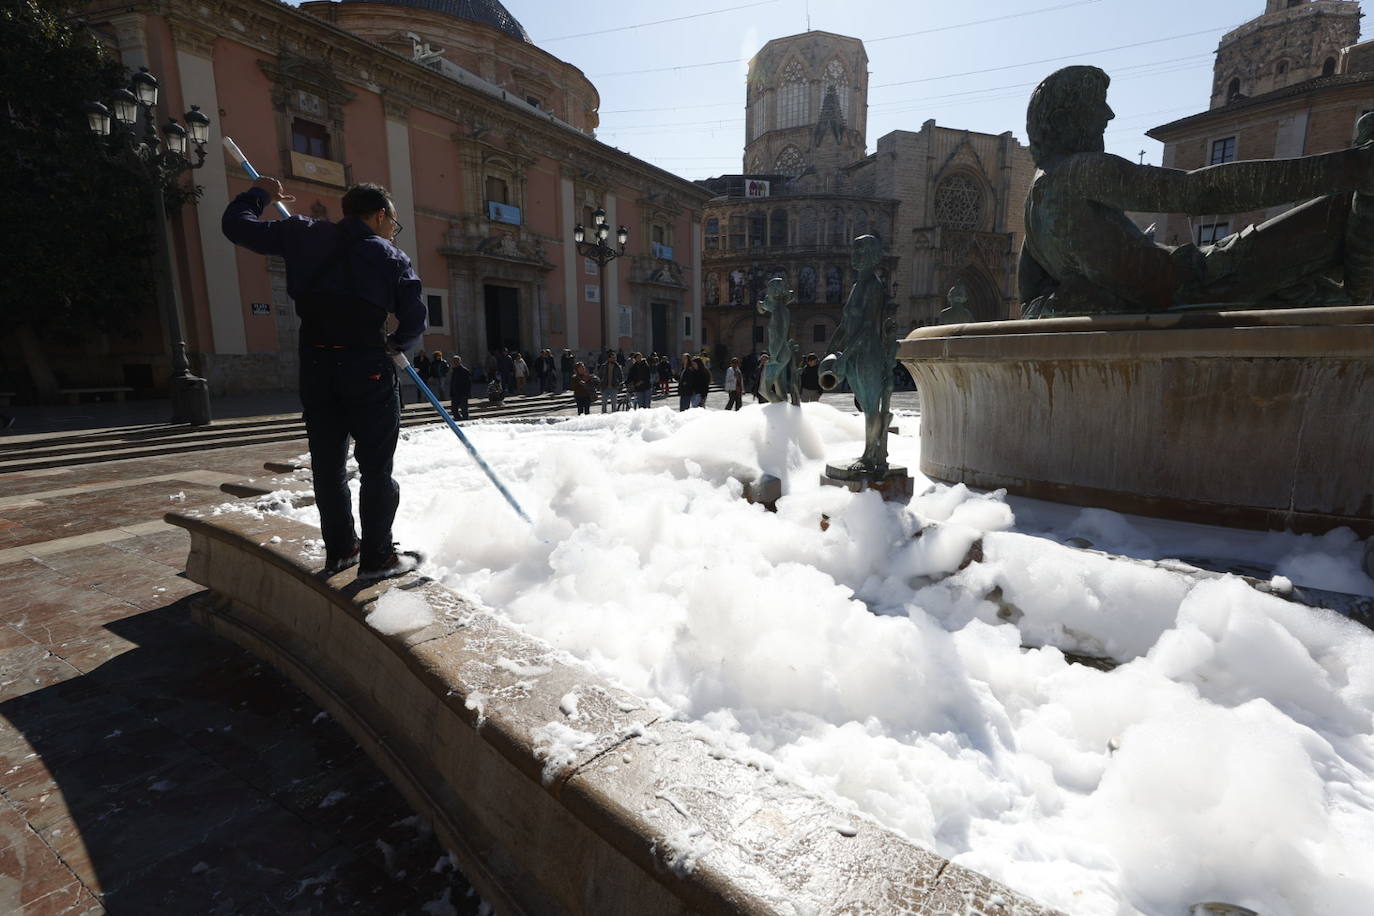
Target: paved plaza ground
x=146 y=765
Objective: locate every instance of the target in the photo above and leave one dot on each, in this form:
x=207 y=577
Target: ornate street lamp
x=159 y=160
x=602 y=254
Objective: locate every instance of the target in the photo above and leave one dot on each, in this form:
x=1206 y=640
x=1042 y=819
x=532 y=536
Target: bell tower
x=1293 y=41
x=807 y=107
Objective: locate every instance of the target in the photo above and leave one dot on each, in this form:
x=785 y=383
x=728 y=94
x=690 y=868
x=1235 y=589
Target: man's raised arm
x=1231 y=187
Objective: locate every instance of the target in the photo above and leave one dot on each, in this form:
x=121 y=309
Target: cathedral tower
x=1293 y=41
x=807 y=107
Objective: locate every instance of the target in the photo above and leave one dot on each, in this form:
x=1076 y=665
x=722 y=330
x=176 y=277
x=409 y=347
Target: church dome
x=487 y=12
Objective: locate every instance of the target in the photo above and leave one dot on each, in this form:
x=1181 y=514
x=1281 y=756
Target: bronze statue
x=864 y=350
x=1083 y=255
x=957 y=312
x=781 y=376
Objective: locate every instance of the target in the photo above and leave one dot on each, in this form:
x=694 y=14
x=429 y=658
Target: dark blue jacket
x=381 y=273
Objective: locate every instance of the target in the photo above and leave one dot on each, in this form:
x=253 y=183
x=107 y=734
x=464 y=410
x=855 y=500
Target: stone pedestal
x=1247 y=418
x=894 y=486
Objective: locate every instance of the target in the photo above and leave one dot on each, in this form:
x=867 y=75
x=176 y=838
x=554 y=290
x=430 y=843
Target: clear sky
x=672 y=93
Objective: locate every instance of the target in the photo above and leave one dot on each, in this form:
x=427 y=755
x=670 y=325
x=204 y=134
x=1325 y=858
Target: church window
x=959 y=203
x=760 y=113
x=310 y=138
x=755 y=166
x=498 y=190
x=837 y=228
x=1282 y=67
x=777 y=228
x=1329 y=67
x=1233 y=91
x=790 y=162
x=809 y=226
x=713 y=234
x=793 y=110
x=1223 y=150
x=758 y=229
x=837 y=79
x=736 y=232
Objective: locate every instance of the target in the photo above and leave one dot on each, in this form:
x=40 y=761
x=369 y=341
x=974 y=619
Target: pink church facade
x=485 y=142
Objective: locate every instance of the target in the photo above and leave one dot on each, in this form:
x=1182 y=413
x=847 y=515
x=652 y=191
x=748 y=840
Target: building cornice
x=275 y=29
x=1298 y=91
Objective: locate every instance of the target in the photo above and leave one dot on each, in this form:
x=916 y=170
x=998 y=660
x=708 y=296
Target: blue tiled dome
x=488 y=12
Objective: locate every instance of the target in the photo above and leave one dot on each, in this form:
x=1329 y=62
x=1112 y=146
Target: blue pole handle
x=237 y=155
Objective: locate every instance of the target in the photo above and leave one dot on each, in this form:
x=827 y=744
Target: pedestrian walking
x=567 y=363
x=610 y=378
x=505 y=364
x=438 y=371
x=522 y=373
x=811 y=378
x=460 y=388
x=345 y=279
x=700 y=382
x=734 y=384
x=638 y=380
x=684 y=386
x=583 y=385
x=544 y=371
x=665 y=375
x=758 y=380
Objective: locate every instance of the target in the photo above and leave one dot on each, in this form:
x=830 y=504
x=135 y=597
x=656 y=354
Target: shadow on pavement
x=185 y=776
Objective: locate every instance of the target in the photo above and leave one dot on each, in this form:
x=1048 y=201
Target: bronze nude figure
x=1083 y=255
x=863 y=350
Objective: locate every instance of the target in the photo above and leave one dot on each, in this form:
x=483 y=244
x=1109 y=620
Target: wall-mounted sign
x=755 y=188
x=317 y=169
x=627 y=325
x=592 y=292
x=262 y=308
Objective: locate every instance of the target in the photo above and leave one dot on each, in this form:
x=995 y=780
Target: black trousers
x=352 y=394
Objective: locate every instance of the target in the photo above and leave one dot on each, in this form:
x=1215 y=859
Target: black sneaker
x=397 y=563
x=337 y=563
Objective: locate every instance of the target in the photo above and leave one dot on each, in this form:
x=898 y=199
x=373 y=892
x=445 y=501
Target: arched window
x=777 y=228
x=838 y=79
x=760 y=115
x=756 y=166
x=1233 y=90
x=810 y=228
x=793 y=110
x=790 y=162
x=959 y=203
x=758 y=229
x=1329 y=67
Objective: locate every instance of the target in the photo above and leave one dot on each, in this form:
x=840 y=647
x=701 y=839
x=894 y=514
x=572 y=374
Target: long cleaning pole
x=237 y=155
x=401 y=362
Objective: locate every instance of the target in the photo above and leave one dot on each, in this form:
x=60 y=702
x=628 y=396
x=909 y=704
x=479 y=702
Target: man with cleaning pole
x=345 y=278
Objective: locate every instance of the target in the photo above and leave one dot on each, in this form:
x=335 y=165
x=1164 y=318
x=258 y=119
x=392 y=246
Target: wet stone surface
x=149 y=766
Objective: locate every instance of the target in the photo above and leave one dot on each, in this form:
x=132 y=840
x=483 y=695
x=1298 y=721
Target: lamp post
x=130 y=126
x=602 y=254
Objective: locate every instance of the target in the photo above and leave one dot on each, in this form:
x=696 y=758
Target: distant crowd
x=617 y=380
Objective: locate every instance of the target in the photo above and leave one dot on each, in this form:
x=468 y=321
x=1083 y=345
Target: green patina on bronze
x=781 y=377
x=1083 y=255
x=863 y=350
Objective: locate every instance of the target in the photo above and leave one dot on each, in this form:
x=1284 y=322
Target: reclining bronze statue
x=1083 y=255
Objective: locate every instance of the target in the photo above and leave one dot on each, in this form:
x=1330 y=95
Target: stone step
x=35 y=453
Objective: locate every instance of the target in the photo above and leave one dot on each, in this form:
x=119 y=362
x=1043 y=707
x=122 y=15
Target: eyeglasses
x=397 y=223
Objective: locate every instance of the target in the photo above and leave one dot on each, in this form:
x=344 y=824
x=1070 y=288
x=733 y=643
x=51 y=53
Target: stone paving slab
x=149 y=766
